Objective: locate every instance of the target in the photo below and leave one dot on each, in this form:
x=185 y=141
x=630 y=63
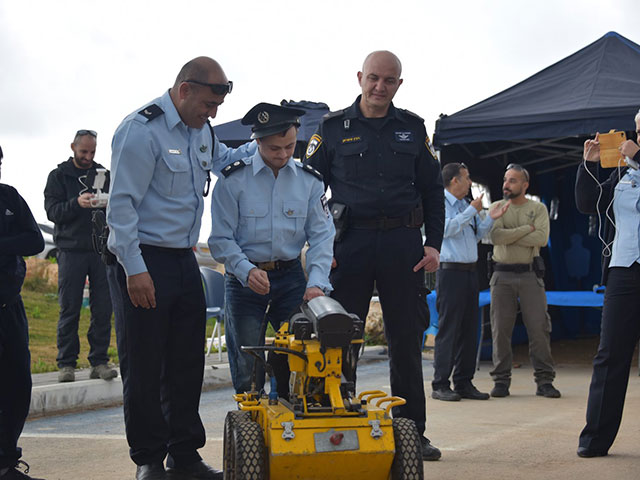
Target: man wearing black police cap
x=263 y=210
x=384 y=180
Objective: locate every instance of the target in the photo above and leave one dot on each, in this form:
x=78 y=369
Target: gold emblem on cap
x=263 y=117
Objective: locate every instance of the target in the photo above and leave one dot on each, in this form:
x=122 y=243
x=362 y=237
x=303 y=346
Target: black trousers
x=161 y=354
x=619 y=335
x=15 y=380
x=457 y=339
x=73 y=268
x=387 y=257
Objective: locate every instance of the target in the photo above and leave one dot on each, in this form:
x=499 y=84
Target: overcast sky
x=68 y=65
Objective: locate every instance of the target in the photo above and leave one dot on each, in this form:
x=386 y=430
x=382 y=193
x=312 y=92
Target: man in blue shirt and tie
x=162 y=157
x=263 y=211
x=457 y=288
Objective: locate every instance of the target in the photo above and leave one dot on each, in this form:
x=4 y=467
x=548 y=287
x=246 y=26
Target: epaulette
x=337 y=113
x=151 y=111
x=411 y=114
x=237 y=165
x=309 y=169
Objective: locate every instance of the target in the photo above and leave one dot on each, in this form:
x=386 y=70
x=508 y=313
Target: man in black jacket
x=19 y=235
x=70 y=199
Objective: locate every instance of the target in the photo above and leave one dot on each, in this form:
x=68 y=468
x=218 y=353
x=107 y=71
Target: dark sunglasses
x=81 y=133
x=519 y=168
x=216 y=88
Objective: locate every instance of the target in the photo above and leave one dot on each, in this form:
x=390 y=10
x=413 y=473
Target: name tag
x=404 y=136
x=174 y=151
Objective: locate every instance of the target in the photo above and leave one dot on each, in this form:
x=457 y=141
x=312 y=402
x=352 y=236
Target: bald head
x=201 y=69
x=379 y=81
x=196 y=93
x=385 y=57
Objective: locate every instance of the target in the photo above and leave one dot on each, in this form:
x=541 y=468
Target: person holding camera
x=69 y=200
x=615 y=200
x=517 y=277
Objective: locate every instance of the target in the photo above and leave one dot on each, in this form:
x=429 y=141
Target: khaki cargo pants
x=506 y=289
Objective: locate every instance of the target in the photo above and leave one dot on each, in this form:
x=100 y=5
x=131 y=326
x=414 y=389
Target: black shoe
x=472 y=393
x=500 y=390
x=151 y=471
x=14 y=474
x=547 y=390
x=199 y=470
x=429 y=452
x=445 y=394
x=585 y=452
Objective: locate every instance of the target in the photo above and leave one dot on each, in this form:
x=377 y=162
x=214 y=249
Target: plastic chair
x=214 y=298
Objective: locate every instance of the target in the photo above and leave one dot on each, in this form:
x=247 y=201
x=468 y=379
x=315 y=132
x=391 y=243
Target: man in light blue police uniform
x=162 y=157
x=263 y=210
x=457 y=287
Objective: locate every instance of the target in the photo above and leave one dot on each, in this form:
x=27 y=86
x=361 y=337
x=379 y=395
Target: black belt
x=513 y=267
x=467 y=267
x=380 y=223
x=173 y=251
x=275 y=264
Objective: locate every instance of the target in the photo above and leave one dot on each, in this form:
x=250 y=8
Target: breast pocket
x=254 y=221
x=295 y=215
x=356 y=160
x=172 y=176
x=402 y=165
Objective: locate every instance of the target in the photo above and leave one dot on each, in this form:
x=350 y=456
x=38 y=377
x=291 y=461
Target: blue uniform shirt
x=463 y=229
x=258 y=217
x=626 y=206
x=158 y=169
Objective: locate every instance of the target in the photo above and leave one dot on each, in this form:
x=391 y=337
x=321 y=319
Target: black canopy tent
x=542 y=123
x=234 y=134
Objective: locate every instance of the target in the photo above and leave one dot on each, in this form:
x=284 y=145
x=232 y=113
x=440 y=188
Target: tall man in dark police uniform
x=384 y=180
x=162 y=156
x=263 y=211
x=19 y=235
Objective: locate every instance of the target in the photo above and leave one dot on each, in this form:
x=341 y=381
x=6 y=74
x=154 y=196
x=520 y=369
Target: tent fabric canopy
x=234 y=133
x=595 y=89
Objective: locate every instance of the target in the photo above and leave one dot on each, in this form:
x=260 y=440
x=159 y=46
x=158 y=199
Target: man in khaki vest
x=517 y=237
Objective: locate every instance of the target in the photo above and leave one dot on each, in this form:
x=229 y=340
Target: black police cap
x=268 y=119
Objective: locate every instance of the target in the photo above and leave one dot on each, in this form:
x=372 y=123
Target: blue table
x=559 y=298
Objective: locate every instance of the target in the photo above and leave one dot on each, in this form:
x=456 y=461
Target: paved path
x=520 y=437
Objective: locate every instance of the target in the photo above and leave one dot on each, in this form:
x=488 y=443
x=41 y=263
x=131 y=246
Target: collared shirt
x=463 y=229
x=380 y=167
x=159 y=169
x=626 y=206
x=259 y=217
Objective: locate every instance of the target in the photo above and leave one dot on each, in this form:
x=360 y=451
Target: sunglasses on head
x=216 y=88
x=81 y=133
x=518 y=168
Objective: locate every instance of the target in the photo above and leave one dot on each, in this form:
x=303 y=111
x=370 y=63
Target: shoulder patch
x=309 y=169
x=229 y=169
x=314 y=143
x=151 y=111
x=429 y=146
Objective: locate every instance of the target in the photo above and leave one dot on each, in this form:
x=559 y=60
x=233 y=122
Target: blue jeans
x=246 y=321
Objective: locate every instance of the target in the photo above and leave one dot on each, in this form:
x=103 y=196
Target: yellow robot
x=322 y=430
